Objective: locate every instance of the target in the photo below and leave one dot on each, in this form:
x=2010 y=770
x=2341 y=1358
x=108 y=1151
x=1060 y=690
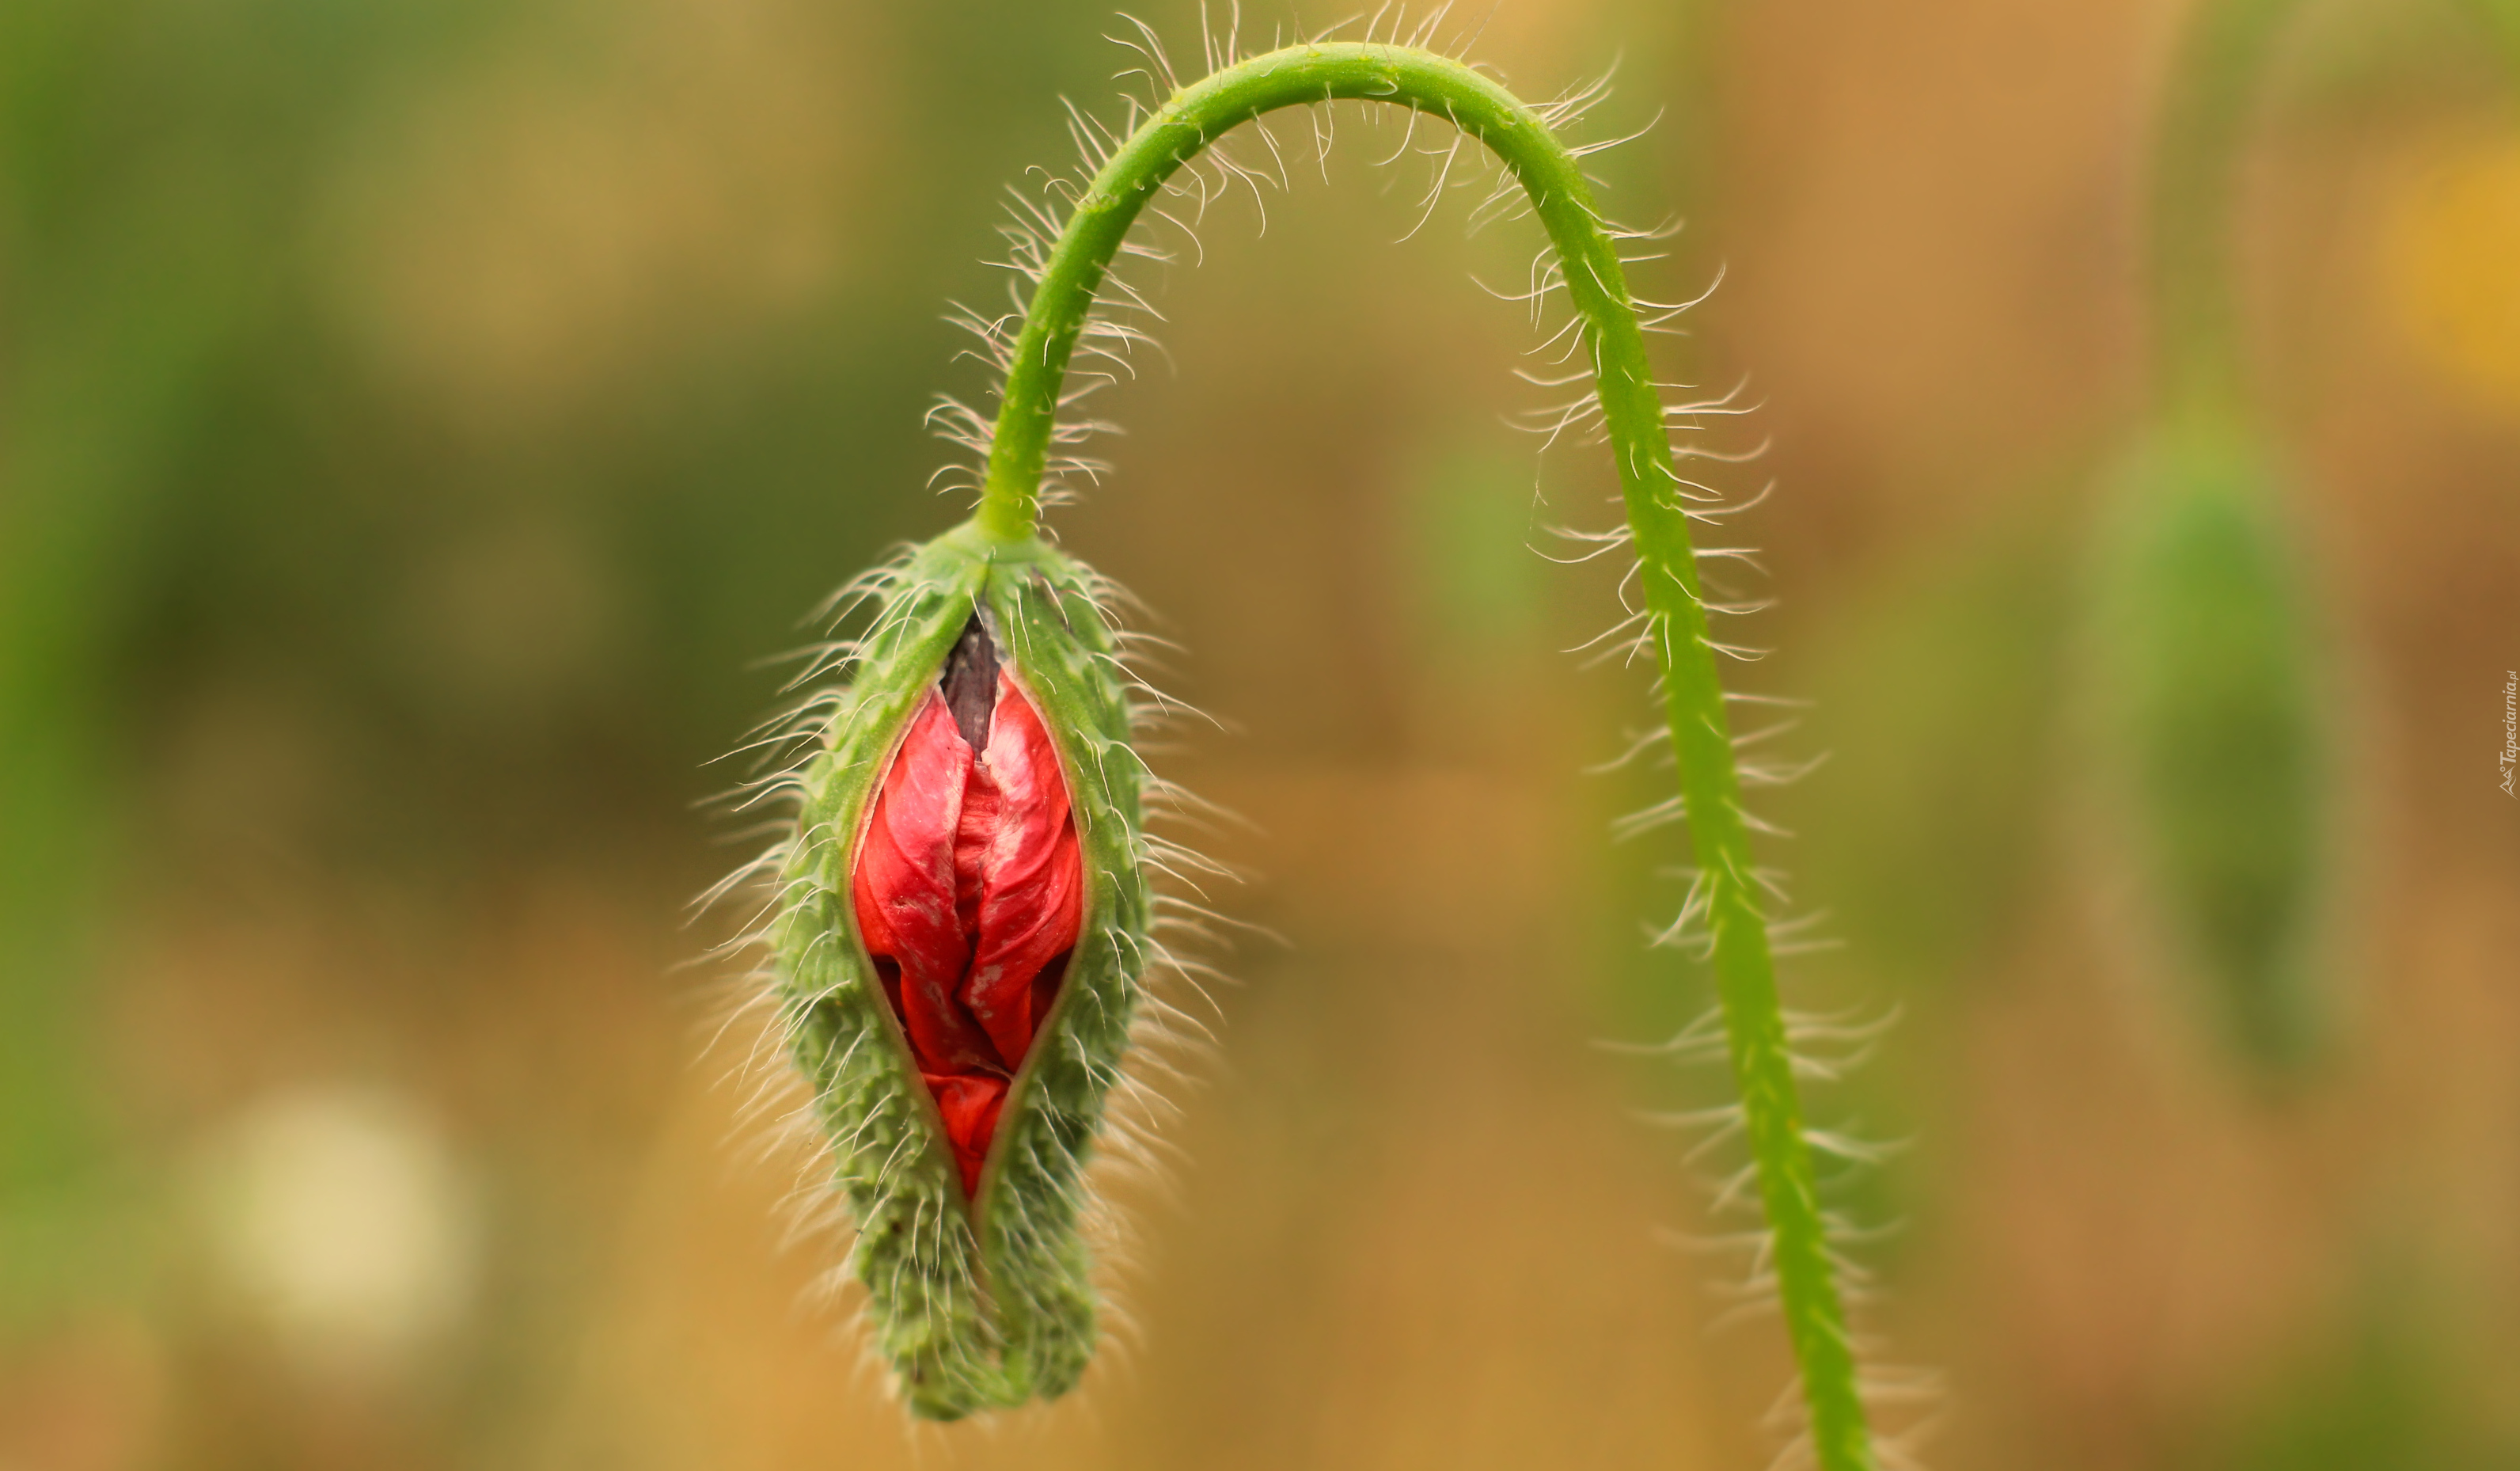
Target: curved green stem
x=1676 y=617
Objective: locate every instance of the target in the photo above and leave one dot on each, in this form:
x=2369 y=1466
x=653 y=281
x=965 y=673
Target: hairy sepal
x=988 y=1303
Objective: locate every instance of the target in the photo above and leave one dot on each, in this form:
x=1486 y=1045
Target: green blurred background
x=419 y=420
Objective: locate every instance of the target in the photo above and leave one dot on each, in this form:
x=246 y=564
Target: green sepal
x=989 y=1307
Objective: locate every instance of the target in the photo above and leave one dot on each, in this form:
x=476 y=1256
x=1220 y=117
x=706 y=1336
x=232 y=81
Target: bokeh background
x=419 y=422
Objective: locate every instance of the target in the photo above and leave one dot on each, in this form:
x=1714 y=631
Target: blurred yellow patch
x=2451 y=260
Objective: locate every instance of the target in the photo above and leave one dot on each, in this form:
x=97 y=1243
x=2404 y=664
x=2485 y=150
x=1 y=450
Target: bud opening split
x=968 y=890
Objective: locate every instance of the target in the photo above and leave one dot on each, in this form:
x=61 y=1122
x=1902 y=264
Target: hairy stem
x=1633 y=412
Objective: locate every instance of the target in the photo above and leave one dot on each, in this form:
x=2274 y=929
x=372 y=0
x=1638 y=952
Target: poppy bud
x=2214 y=684
x=962 y=928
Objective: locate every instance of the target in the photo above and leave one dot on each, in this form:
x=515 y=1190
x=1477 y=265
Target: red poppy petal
x=970 y=1106
x=1024 y=930
x=904 y=891
x=970 y=891
x=972 y=834
x=1031 y=904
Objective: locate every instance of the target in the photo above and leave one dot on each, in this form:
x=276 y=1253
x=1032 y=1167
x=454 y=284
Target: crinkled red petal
x=905 y=893
x=1032 y=890
x=971 y=886
x=968 y=1104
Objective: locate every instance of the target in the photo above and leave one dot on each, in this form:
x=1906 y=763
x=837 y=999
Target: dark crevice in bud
x=970 y=682
x=1044 y=985
x=888 y=973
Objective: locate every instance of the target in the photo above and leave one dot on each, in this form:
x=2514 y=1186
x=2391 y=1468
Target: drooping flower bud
x=962 y=930
x=2215 y=691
